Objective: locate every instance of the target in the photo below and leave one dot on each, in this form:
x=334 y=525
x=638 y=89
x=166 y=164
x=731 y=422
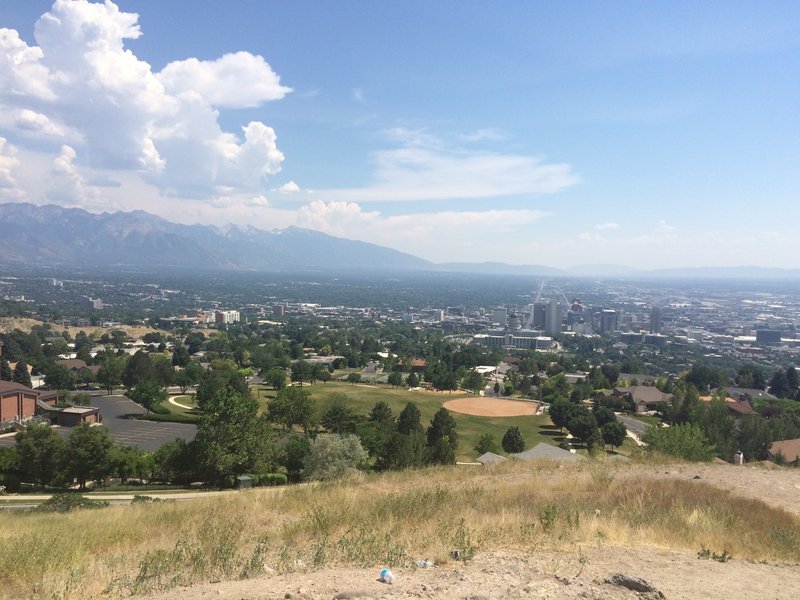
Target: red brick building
x=20 y=403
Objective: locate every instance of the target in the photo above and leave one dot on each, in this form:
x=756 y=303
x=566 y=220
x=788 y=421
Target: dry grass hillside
x=134 y=333
x=522 y=530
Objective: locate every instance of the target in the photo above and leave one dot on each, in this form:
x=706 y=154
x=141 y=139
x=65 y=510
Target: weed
x=464 y=542
x=602 y=478
x=547 y=517
x=706 y=554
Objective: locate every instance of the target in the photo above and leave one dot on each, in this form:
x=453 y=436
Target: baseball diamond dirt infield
x=492 y=407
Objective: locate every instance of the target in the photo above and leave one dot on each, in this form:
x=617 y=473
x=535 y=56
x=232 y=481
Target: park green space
x=362 y=397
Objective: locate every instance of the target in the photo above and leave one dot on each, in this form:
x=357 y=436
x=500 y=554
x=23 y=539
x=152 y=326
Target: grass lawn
x=470 y=428
x=648 y=419
x=185 y=400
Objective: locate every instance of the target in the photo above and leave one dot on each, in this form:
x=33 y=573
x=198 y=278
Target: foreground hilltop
x=522 y=530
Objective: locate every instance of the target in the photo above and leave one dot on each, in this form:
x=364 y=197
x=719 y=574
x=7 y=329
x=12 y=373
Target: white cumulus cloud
x=8 y=164
x=238 y=80
x=290 y=187
x=80 y=86
x=70 y=186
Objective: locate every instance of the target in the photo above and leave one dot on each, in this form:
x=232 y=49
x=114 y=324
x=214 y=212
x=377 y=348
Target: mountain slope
x=74 y=237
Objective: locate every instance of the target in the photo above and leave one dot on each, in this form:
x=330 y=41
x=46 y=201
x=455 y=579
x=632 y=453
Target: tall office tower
x=500 y=315
x=553 y=317
x=539 y=315
x=608 y=320
x=655 y=320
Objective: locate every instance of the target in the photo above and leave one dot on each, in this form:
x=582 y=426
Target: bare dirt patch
x=492 y=407
x=536 y=574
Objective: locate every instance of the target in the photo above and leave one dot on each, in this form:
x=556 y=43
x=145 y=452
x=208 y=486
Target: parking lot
x=118 y=414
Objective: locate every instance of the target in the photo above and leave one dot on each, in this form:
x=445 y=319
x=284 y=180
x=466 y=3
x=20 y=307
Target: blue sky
x=648 y=134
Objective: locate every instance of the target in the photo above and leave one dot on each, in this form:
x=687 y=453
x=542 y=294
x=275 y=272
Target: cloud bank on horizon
x=86 y=122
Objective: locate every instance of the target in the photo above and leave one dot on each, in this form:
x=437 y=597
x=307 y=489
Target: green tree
x=561 y=411
x=610 y=372
x=148 y=394
x=89 y=454
x=301 y=371
x=338 y=416
x=222 y=374
x=163 y=372
x=59 y=377
x=442 y=438
x=40 y=450
x=778 y=384
x=412 y=380
x=556 y=387
x=614 y=433
x=719 y=427
x=10 y=469
x=111 y=370
x=753 y=437
x=513 y=442
x=410 y=419
x=293 y=406
x=334 y=457
x=353 y=378
x=129 y=462
x=685 y=440
x=395 y=379
x=486 y=444
x=21 y=375
x=180 y=356
x=276 y=377
x=175 y=462
x=402 y=451
x=5 y=370
x=297 y=449
x=380 y=413
x=582 y=426
x=138 y=368
x=232 y=439
x=604 y=415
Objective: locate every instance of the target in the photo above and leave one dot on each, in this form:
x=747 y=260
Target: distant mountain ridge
x=52 y=235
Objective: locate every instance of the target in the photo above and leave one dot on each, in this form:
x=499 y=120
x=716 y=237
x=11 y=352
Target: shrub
x=271 y=479
x=686 y=441
x=334 y=457
x=67 y=502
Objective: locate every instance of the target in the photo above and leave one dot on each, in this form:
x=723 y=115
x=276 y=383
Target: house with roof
x=645 y=398
x=544 y=451
x=787 y=450
x=736 y=408
x=490 y=458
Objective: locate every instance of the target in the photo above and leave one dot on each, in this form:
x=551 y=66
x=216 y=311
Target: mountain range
x=72 y=237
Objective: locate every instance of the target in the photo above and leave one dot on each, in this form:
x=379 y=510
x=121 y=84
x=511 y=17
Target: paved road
x=634 y=425
x=117 y=413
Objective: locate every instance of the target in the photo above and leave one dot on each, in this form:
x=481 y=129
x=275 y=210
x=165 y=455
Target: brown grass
x=95 y=332
x=388 y=519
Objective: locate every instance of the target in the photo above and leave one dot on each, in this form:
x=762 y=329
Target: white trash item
x=387 y=576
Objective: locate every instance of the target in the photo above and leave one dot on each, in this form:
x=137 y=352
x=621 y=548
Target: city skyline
x=647 y=135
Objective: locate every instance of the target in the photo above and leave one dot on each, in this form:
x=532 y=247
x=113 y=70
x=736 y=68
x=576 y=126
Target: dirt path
x=506 y=575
